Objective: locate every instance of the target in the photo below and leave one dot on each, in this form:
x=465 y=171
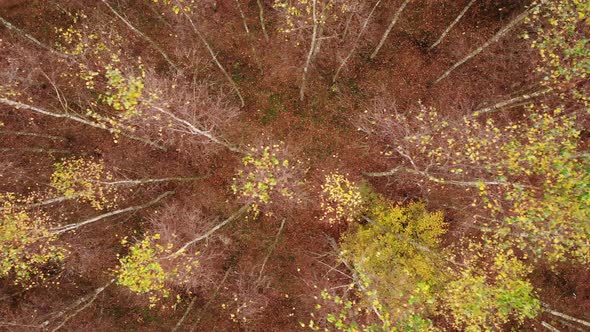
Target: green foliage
x=363 y=311
x=486 y=295
x=397 y=251
x=141 y=271
x=83 y=180
x=264 y=178
x=118 y=88
x=553 y=214
x=530 y=175
x=561 y=37
x=26 y=243
x=123 y=93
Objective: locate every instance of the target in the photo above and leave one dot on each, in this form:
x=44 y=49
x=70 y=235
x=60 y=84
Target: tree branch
x=356 y=42
x=31 y=39
x=270 y=251
x=397 y=169
x=444 y=34
x=510 y=101
x=70 y=227
x=490 y=41
x=311 y=51
x=194 y=130
x=214 y=57
x=389 y=28
x=564 y=316
x=214 y=229
x=143 y=36
x=18 y=105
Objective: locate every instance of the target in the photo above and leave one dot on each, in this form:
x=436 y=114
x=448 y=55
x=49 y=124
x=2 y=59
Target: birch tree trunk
x=143 y=36
x=490 y=41
x=311 y=51
x=509 y=102
x=74 y=226
x=31 y=39
x=213 y=229
x=19 y=105
x=547 y=309
x=214 y=57
x=444 y=34
x=435 y=179
x=243 y=17
x=261 y=17
x=192 y=129
x=389 y=28
x=356 y=43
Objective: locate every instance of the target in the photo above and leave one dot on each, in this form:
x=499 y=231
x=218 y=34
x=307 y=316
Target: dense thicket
x=275 y=165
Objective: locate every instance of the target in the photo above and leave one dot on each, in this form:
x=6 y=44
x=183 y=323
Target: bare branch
x=438 y=180
x=270 y=251
x=143 y=36
x=356 y=42
x=89 y=299
x=312 y=48
x=511 y=101
x=214 y=57
x=214 y=229
x=71 y=227
x=490 y=41
x=36 y=150
x=24 y=133
x=243 y=17
x=549 y=327
x=261 y=17
x=194 y=130
x=444 y=34
x=30 y=38
x=564 y=316
x=389 y=28
x=19 y=105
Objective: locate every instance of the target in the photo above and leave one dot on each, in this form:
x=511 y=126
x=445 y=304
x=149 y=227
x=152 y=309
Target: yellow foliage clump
x=341 y=199
x=264 y=177
x=26 y=243
x=397 y=249
x=83 y=180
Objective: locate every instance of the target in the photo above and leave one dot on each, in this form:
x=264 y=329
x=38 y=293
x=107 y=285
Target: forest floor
x=323 y=134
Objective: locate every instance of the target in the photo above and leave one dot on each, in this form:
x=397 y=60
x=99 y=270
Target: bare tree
x=444 y=34
x=143 y=36
x=214 y=56
x=490 y=41
x=312 y=49
x=261 y=17
x=389 y=28
x=356 y=42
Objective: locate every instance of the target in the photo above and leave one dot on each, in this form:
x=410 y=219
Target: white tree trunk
x=261 y=17
x=389 y=28
x=31 y=39
x=511 y=101
x=143 y=36
x=490 y=41
x=311 y=51
x=444 y=34
x=214 y=57
x=355 y=44
x=74 y=226
x=214 y=229
x=19 y=105
x=243 y=17
x=196 y=131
